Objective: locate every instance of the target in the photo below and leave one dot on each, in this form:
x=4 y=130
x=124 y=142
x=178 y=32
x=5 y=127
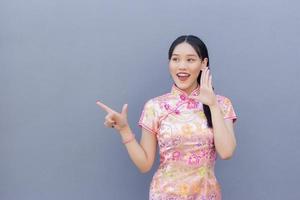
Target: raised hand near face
x=114 y=119
x=206 y=95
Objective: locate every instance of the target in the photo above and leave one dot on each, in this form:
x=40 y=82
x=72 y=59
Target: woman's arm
x=143 y=154
x=224 y=137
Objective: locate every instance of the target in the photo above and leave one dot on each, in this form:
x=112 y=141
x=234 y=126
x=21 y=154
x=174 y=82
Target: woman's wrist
x=128 y=139
x=126 y=134
x=125 y=130
x=214 y=106
x=216 y=109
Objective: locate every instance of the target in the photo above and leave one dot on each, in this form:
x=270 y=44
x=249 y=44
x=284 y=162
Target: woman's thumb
x=125 y=109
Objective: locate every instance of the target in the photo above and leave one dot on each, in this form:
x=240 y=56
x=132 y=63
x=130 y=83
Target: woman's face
x=185 y=66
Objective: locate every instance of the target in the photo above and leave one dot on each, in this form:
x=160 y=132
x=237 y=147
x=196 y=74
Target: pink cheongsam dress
x=186 y=146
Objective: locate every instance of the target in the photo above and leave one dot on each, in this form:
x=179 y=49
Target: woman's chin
x=183 y=85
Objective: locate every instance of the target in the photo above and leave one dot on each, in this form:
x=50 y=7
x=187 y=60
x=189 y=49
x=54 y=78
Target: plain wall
x=58 y=57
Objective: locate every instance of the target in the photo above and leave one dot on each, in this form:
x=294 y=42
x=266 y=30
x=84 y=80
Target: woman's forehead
x=184 y=49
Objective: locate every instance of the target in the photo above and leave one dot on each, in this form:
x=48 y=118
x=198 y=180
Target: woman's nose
x=182 y=65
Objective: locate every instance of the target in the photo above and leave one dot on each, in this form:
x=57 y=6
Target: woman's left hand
x=206 y=95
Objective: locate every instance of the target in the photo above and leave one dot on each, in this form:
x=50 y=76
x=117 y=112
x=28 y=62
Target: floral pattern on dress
x=186 y=146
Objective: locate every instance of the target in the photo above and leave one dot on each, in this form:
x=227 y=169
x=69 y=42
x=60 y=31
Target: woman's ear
x=204 y=63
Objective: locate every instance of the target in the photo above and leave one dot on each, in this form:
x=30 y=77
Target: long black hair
x=202 y=52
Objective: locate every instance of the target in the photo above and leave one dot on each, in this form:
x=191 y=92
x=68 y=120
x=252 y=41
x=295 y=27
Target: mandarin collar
x=182 y=94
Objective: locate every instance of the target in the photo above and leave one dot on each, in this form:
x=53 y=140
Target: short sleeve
x=227 y=108
x=148 y=119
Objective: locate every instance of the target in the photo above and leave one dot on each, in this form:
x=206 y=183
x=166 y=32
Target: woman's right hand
x=114 y=119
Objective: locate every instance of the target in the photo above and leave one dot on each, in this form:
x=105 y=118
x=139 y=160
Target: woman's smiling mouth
x=183 y=76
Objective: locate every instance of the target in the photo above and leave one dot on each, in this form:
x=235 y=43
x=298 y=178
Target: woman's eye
x=174 y=59
x=192 y=60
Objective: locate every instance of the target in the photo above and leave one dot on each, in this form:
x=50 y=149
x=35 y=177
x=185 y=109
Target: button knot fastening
x=182 y=97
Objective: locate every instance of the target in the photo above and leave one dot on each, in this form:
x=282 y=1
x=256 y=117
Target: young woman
x=191 y=124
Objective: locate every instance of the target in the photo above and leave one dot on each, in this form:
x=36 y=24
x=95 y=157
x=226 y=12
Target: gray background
x=58 y=57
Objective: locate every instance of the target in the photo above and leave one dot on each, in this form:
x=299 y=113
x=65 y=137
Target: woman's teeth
x=183 y=76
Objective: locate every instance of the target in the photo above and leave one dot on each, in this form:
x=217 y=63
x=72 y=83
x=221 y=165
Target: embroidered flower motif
x=169 y=174
x=205 y=154
x=192 y=104
x=196 y=188
x=176 y=141
x=194 y=159
x=162 y=159
x=149 y=112
x=184 y=189
x=167 y=106
x=177 y=112
x=212 y=196
x=202 y=171
x=176 y=155
x=212 y=155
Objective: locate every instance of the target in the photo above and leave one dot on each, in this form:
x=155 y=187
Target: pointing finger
x=105 y=107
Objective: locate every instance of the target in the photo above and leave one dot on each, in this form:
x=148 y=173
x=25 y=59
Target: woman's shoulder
x=156 y=101
x=226 y=106
x=223 y=100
